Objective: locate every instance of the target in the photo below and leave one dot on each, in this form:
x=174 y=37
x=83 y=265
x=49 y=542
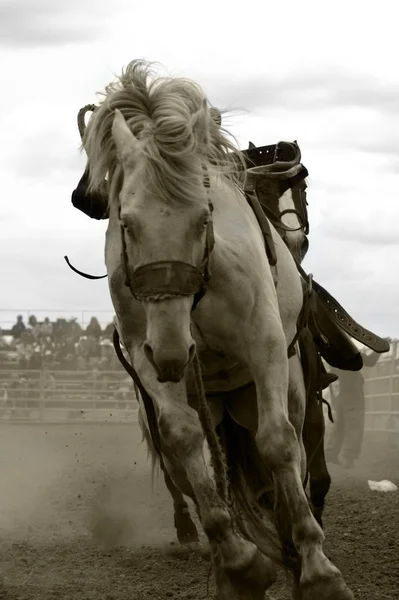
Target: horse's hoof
x=202 y=551
x=187 y=537
x=326 y=588
x=186 y=531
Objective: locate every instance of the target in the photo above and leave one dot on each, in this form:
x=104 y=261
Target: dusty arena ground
x=79 y=521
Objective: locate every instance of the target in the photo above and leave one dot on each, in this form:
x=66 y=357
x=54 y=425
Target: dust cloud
x=91 y=481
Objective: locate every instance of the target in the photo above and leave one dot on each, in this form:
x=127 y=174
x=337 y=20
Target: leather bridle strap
x=148 y=404
x=81 y=273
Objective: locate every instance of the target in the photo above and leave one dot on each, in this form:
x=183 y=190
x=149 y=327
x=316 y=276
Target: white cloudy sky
x=324 y=74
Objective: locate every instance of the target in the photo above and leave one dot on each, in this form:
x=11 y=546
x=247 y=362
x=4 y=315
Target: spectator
x=34 y=326
x=74 y=328
x=3 y=343
x=36 y=360
x=47 y=344
x=346 y=435
x=109 y=331
x=18 y=328
x=94 y=329
x=82 y=349
x=60 y=344
x=26 y=337
x=46 y=328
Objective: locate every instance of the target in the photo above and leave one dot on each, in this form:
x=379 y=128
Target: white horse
x=180 y=226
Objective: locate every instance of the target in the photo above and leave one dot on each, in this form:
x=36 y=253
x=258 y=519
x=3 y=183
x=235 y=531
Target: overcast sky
x=327 y=77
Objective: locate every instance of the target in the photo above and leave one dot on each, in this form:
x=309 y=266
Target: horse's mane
x=171 y=117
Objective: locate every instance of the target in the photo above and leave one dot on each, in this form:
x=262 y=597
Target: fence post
x=391 y=420
x=42 y=399
x=94 y=388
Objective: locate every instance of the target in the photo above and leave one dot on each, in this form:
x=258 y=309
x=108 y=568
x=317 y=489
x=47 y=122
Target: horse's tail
x=151 y=451
x=252 y=494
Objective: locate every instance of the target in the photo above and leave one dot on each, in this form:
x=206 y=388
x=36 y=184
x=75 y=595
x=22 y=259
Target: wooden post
x=42 y=399
x=391 y=418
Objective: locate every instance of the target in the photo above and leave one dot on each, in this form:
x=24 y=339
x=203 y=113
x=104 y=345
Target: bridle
x=165 y=279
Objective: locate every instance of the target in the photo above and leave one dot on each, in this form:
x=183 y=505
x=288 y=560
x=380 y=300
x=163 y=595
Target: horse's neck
x=226 y=195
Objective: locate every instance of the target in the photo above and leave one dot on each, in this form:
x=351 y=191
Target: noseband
x=165 y=279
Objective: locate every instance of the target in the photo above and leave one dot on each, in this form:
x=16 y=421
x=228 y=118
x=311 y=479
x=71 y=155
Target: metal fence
x=108 y=396
x=65 y=396
x=382 y=393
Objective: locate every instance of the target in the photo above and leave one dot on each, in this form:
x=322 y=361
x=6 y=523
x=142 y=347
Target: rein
x=81 y=273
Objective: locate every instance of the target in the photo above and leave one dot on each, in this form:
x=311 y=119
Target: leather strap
x=348 y=324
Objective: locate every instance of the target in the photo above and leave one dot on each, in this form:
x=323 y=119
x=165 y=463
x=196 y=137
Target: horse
x=189 y=277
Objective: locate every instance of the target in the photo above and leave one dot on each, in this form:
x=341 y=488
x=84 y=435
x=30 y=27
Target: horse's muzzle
x=169 y=363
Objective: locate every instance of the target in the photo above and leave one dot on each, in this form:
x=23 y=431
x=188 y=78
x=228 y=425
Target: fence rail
x=64 y=396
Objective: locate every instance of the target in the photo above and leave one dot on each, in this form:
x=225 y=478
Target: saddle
x=276 y=169
x=281 y=167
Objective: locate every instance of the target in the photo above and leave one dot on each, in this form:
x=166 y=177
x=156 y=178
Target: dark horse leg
x=314 y=426
x=313 y=438
x=185 y=528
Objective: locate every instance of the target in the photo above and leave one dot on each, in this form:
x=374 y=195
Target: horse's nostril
x=191 y=352
x=149 y=353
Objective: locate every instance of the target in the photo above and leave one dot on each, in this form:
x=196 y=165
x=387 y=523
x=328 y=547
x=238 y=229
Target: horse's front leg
x=241 y=571
x=186 y=530
x=278 y=444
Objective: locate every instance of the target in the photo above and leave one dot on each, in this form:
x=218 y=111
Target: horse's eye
x=204 y=222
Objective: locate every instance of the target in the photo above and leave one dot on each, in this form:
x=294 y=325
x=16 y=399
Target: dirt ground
x=79 y=520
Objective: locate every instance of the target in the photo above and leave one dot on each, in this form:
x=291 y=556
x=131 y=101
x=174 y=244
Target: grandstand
x=64 y=368
x=61 y=368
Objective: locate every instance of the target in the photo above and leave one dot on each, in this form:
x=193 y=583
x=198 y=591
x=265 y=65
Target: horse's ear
x=251 y=145
x=125 y=141
x=216 y=115
x=200 y=122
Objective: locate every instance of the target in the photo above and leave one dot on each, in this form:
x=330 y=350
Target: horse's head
x=159 y=142
x=166 y=220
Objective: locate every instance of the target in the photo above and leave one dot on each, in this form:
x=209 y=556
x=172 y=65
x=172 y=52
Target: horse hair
x=178 y=135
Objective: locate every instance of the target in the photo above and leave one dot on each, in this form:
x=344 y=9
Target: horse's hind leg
x=278 y=444
x=242 y=572
x=319 y=483
x=313 y=437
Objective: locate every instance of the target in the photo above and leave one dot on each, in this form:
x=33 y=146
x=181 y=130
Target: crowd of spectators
x=59 y=345
x=60 y=365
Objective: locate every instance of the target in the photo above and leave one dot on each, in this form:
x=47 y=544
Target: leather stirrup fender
x=331 y=311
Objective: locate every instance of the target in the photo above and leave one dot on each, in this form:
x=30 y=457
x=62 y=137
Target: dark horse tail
x=253 y=495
